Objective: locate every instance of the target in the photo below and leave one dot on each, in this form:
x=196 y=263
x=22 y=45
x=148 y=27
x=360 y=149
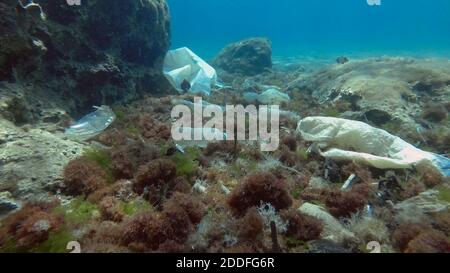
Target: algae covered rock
x=32 y=161
x=248 y=57
x=333 y=229
x=386 y=90
x=427 y=202
x=87 y=54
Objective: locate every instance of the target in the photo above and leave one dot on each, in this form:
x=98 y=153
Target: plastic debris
x=348 y=183
x=355 y=140
x=182 y=66
x=91 y=124
x=224 y=189
x=222 y=86
x=30 y=5
x=273 y=96
x=368 y=211
x=200 y=186
x=179 y=148
x=7 y=204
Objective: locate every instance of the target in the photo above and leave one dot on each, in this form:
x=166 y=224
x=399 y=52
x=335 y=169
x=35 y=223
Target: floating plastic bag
x=91 y=124
x=355 y=140
x=182 y=65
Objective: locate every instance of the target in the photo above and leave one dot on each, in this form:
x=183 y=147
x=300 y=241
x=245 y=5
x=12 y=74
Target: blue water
x=318 y=28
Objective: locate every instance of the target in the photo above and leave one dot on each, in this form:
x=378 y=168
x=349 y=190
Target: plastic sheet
x=91 y=124
x=355 y=140
x=182 y=65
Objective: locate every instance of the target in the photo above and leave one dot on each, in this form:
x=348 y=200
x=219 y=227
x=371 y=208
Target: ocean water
x=315 y=28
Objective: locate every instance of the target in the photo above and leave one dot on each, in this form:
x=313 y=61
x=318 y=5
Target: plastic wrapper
x=182 y=65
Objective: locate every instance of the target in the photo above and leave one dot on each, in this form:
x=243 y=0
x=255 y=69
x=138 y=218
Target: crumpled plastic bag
x=182 y=64
x=92 y=124
x=355 y=140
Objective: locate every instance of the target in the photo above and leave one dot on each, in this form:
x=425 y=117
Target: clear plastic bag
x=92 y=124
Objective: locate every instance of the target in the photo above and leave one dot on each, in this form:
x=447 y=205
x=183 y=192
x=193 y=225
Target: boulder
x=32 y=161
x=426 y=202
x=384 y=91
x=249 y=57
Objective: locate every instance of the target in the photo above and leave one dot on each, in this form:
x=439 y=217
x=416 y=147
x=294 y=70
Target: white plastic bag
x=355 y=140
x=182 y=64
x=270 y=96
x=273 y=96
x=92 y=124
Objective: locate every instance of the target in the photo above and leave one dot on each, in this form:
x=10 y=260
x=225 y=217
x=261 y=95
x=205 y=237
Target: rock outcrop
x=56 y=62
x=333 y=229
x=249 y=57
x=97 y=53
x=32 y=160
x=381 y=90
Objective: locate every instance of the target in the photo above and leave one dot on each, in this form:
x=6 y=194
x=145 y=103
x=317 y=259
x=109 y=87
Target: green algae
x=135 y=206
x=186 y=163
x=103 y=159
x=78 y=211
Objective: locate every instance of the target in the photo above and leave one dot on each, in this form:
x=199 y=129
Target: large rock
x=32 y=161
x=425 y=202
x=97 y=53
x=21 y=106
x=382 y=90
x=249 y=57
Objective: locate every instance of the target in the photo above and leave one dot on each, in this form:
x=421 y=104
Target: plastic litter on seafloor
x=270 y=96
x=92 y=124
x=354 y=140
x=348 y=183
x=220 y=86
x=273 y=96
x=182 y=65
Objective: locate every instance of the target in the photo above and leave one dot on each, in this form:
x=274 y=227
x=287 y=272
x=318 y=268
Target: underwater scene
x=224 y=126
